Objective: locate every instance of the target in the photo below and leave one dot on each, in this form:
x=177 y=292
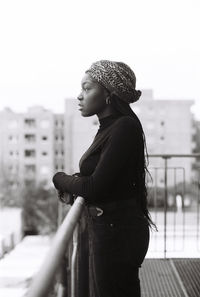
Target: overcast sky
x=46 y=45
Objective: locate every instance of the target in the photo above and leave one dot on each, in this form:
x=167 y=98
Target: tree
x=39 y=210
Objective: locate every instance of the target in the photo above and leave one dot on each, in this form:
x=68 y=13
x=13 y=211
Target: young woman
x=112 y=181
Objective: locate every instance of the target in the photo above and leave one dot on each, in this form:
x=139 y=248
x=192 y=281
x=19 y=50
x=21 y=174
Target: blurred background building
x=32 y=146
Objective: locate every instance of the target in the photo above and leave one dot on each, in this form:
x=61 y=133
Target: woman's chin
x=85 y=114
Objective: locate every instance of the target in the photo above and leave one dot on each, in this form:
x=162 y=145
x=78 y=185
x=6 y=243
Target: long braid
x=125 y=109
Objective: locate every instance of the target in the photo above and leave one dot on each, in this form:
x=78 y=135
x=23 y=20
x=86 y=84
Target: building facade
x=32 y=146
x=168 y=126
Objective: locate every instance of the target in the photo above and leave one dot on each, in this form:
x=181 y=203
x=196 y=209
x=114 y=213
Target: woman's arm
x=124 y=142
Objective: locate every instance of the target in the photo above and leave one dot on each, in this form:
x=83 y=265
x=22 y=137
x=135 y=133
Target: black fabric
x=119 y=241
x=109 y=172
x=109 y=179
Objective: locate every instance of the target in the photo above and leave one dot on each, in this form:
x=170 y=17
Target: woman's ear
x=108 y=100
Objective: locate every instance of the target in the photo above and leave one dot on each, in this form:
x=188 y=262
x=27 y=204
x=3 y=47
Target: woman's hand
x=66 y=198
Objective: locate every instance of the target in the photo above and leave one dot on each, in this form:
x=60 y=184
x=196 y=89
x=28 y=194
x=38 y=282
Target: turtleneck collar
x=107 y=121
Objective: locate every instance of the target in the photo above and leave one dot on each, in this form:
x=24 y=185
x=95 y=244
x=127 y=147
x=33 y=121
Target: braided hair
x=124 y=109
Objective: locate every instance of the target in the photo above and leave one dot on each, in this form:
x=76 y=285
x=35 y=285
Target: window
x=13 y=138
x=162 y=123
x=30 y=137
x=44 y=153
x=44 y=138
x=30 y=122
x=29 y=183
x=29 y=153
x=30 y=168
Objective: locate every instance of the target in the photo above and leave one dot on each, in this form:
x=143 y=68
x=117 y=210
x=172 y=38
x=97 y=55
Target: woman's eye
x=85 y=88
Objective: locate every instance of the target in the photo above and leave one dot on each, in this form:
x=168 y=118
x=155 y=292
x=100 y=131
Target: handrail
x=168 y=156
x=43 y=280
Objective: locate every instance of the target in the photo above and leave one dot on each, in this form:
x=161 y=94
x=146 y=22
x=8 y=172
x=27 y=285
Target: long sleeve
x=122 y=146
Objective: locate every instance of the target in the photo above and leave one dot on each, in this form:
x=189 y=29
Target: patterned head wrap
x=116 y=77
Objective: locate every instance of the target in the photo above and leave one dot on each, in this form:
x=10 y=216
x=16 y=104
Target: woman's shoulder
x=126 y=122
x=126 y=128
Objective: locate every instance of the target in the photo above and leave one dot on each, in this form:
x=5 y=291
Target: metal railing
x=166 y=168
x=43 y=280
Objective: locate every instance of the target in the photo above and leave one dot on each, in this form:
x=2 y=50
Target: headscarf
x=117 y=77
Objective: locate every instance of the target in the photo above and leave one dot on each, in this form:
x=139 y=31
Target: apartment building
x=58 y=143
x=32 y=146
x=168 y=126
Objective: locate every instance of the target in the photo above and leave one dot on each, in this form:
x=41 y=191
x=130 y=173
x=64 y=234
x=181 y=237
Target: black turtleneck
x=109 y=172
x=107 y=121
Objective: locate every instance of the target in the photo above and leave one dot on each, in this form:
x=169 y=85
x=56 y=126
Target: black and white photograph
x=99 y=148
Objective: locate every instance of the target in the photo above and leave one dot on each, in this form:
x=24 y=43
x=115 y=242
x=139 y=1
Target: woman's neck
x=108 y=111
x=107 y=121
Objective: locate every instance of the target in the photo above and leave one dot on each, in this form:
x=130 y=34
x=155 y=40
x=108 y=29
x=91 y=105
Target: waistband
x=101 y=208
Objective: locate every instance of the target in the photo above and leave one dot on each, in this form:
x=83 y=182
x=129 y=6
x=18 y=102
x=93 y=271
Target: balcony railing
x=175 y=204
x=45 y=277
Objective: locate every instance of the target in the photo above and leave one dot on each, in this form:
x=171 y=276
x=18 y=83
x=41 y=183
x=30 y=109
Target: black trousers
x=118 y=243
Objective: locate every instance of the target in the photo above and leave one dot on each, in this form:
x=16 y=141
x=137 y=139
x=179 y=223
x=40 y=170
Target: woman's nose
x=80 y=96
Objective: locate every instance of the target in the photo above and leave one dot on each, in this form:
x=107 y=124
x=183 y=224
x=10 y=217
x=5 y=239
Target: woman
x=112 y=181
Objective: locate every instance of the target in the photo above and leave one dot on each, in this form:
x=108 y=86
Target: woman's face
x=92 y=99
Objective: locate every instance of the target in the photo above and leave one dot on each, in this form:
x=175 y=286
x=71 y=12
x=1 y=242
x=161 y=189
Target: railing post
x=74 y=261
x=63 y=279
x=198 y=208
x=165 y=207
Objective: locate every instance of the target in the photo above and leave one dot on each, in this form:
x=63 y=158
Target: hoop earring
x=108 y=100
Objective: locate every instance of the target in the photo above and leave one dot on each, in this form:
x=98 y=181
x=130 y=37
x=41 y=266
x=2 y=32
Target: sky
x=46 y=46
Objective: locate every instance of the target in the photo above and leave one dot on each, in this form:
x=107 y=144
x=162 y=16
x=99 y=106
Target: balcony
x=172 y=264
